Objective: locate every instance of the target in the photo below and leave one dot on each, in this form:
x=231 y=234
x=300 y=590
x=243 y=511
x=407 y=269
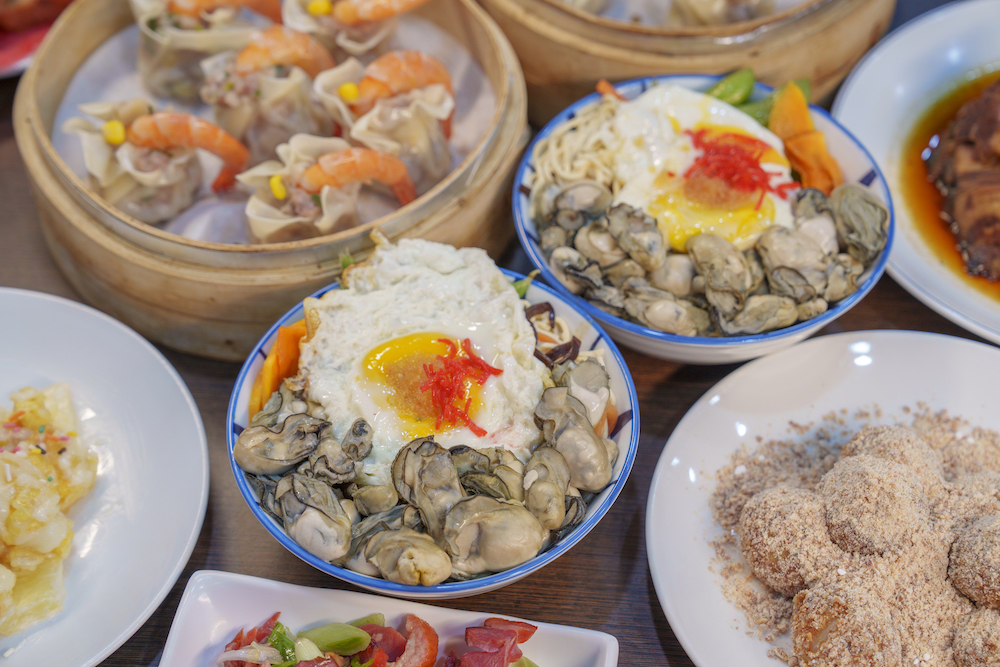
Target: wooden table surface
x=603 y=583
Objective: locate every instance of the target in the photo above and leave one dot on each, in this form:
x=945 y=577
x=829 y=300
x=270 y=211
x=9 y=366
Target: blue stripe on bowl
x=867 y=179
x=523 y=223
x=452 y=589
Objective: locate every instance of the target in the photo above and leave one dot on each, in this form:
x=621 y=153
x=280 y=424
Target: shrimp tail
x=226 y=178
x=404 y=191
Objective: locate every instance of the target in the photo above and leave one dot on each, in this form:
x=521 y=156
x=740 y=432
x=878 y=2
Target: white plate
x=216 y=605
x=136 y=529
x=891 y=369
x=881 y=101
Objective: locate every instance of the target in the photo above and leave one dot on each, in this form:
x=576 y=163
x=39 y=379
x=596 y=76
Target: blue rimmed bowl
x=625 y=434
x=857 y=165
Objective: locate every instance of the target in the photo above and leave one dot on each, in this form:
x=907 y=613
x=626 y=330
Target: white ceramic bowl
x=901 y=78
x=857 y=166
x=625 y=434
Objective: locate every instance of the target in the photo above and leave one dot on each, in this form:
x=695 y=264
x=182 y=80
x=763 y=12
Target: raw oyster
x=260 y=450
x=483 y=534
x=313 y=516
x=862 y=221
x=408 y=557
x=425 y=477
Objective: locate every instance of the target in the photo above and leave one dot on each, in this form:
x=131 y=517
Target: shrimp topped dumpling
x=402 y=103
x=347 y=27
x=314 y=190
x=145 y=163
x=176 y=35
x=263 y=95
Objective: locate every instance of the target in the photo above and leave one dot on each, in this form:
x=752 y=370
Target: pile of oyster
x=457 y=513
x=616 y=258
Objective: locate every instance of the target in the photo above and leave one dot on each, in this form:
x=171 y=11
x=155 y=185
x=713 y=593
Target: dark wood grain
x=603 y=583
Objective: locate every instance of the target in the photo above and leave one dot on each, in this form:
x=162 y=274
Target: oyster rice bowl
x=701 y=231
x=437 y=435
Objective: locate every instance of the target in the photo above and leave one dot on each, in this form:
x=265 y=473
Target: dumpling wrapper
x=407 y=125
x=267 y=223
x=347 y=40
x=150 y=196
x=285 y=107
x=169 y=57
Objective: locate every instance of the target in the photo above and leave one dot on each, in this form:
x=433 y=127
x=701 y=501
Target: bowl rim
x=532 y=249
x=742 y=31
x=457 y=588
x=464 y=171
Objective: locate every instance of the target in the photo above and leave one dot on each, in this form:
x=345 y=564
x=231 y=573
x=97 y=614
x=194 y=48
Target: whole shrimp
x=353 y=12
x=279 y=45
x=195 y=8
x=165 y=130
x=399 y=72
x=359 y=165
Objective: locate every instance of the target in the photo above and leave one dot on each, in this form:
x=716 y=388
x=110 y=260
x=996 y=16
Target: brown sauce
x=922 y=199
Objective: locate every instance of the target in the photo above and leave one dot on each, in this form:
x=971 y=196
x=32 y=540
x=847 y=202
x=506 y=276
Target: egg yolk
x=432 y=382
x=725 y=192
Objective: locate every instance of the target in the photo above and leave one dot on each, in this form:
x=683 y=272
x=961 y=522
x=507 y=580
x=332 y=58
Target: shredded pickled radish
x=446 y=383
x=734 y=159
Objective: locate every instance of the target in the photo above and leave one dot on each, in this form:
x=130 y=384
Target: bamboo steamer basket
x=217 y=300
x=564 y=51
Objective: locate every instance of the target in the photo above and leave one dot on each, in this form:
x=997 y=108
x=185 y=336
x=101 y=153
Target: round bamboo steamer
x=565 y=51
x=217 y=300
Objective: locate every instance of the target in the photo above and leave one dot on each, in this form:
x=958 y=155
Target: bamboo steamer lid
x=564 y=51
x=217 y=300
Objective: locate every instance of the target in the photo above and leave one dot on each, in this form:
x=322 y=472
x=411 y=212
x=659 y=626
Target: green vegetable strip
x=340 y=638
x=370 y=619
x=735 y=88
x=280 y=640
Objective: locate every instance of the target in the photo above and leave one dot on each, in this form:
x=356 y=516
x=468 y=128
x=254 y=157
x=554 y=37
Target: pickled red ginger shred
x=446 y=384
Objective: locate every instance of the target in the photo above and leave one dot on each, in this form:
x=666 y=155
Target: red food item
x=421 y=644
x=450 y=660
x=258 y=634
x=20 y=14
x=387 y=639
x=524 y=630
x=735 y=160
x=483 y=659
x=494 y=640
x=446 y=384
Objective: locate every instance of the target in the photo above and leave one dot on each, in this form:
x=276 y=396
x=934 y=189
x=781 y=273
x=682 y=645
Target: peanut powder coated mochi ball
x=974 y=567
x=783 y=536
x=842 y=626
x=977 y=641
x=900 y=445
x=872 y=505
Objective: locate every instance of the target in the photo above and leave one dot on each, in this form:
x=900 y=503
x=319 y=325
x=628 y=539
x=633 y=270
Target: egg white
x=652 y=140
x=419 y=286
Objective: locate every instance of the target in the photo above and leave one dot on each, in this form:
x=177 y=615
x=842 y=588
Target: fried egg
x=425 y=340
x=662 y=167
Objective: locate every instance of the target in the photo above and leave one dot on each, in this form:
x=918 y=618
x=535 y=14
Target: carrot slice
x=804 y=145
x=790 y=113
x=817 y=168
x=605 y=88
x=282 y=361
